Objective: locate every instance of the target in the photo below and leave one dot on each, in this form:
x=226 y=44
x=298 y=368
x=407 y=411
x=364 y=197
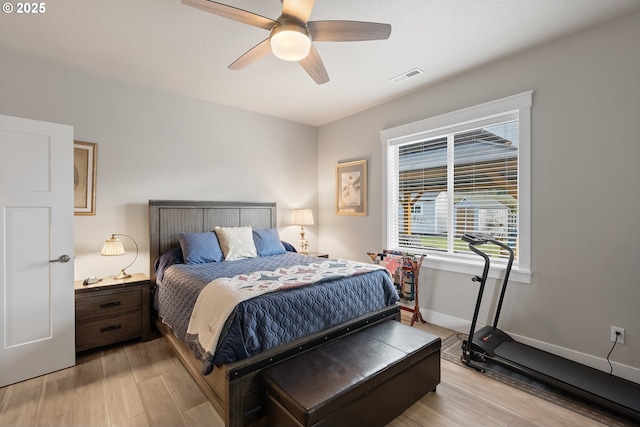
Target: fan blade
x=231 y=12
x=259 y=51
x=347 y=31
x=313 y=65
x=298 y=9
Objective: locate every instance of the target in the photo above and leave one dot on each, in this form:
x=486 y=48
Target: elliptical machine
x=491 y=344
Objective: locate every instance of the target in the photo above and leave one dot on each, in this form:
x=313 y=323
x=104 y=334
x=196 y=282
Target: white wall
x=585 y=198
x=155 y=145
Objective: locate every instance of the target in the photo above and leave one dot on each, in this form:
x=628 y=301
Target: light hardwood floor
x=143 y=384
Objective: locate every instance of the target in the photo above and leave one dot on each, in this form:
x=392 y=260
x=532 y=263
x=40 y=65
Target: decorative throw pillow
x=236 y=242
x=198 y=248
x=268 y=242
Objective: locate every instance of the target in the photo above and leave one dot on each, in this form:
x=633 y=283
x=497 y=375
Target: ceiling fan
x=292 y=33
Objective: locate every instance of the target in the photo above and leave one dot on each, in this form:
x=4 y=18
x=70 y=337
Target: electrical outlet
x=620 y=334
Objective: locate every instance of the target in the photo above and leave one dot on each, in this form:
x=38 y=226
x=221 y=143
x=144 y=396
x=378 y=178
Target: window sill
x=496 y=271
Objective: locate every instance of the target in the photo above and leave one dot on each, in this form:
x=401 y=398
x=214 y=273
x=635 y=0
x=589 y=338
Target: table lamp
x=302 y=217
x=113 y=247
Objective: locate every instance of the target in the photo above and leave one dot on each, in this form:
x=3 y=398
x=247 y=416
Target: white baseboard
x=461 y=325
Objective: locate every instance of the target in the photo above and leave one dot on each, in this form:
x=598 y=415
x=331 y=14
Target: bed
x=229 y=372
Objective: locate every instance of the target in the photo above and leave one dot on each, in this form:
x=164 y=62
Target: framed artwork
x=85 y=157
x=351 y=188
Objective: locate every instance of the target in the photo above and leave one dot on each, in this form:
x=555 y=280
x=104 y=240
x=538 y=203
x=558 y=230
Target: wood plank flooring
x=143 y=384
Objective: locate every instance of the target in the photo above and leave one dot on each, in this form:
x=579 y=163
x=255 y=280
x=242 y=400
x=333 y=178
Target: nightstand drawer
x=108 y=330
x=107 y=303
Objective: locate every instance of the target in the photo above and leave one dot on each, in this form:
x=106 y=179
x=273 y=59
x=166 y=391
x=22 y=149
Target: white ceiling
x=166 y=45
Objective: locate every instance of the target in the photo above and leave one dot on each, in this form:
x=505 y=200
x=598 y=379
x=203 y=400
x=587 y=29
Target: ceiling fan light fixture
x=290 y=42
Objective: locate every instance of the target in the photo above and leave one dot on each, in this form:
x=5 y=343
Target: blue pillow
x=166 y=260
x=289 y=247
x=198 y=248
x=268 y=242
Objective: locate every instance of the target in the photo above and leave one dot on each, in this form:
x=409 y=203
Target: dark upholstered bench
x=367 y=378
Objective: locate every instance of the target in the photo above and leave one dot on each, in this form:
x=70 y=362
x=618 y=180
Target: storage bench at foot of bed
x=367 y=378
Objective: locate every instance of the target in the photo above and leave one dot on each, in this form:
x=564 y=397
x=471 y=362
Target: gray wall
x=585 y=198
x=155 y=145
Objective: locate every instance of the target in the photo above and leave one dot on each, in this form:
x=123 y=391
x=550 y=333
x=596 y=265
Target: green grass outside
x=439 y=243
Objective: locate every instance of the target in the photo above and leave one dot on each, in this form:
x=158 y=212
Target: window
x=461 y=172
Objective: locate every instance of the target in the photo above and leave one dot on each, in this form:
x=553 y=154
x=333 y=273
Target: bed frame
x=234 y=389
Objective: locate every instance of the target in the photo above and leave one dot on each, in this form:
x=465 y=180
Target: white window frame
x=517 y=106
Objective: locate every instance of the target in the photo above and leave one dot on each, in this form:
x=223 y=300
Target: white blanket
x=219 y=298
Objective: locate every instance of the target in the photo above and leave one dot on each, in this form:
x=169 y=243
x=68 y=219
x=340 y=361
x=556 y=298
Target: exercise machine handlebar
x=478 y=239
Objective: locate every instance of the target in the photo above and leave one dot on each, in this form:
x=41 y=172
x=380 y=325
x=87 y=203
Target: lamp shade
x=112 y=247
x=301 y=217
x=290 y=42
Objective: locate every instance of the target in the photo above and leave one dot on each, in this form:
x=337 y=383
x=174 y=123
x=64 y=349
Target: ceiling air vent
x=406 y=75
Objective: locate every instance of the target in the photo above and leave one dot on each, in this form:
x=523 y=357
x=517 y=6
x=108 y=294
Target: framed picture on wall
x=85 y=157
x=351 y=188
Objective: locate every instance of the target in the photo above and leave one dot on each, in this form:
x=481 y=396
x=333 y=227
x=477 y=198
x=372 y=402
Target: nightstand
x=317 y=254
x=112 y=310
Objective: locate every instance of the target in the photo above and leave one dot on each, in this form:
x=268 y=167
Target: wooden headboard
x=169 y=217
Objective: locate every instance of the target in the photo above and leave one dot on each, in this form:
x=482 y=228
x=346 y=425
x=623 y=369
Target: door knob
x=63 y=259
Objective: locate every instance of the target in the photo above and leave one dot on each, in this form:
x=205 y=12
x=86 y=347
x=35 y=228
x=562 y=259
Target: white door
x=37 y=319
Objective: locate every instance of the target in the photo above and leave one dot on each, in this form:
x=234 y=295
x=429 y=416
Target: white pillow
x=236 y=242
